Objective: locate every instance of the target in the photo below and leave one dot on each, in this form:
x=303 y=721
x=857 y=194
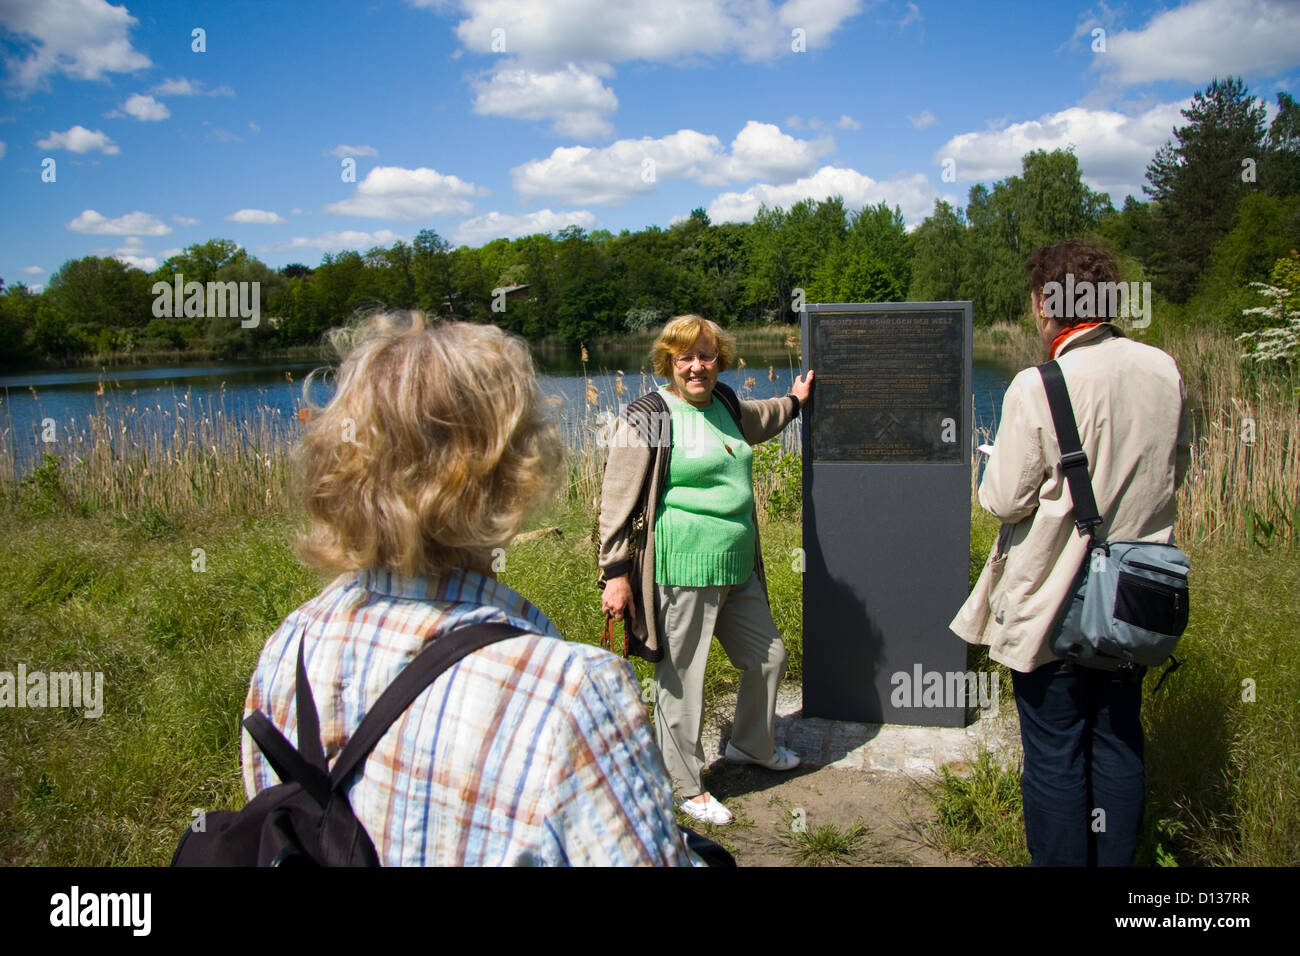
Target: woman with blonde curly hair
x=416 y=475
x=680 y=553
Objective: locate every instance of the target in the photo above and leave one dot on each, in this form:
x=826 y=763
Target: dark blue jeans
x=1084 y=781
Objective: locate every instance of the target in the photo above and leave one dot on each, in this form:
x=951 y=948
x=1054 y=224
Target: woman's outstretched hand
x=616 y=599
x=801 y=387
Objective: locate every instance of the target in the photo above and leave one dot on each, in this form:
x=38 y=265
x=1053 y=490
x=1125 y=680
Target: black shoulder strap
x=730 y=402
x=650 y=415
x=299 y=765
x=1074 y=462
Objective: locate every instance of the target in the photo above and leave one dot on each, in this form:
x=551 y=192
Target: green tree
x=1131 y=231
x=1197 y=181
x=854 y=275
x=881 y=233
x=1280 y=171
x=431 y=270
x=201 y=261
x=17 y=318
x=95 y=294
x=938 y=251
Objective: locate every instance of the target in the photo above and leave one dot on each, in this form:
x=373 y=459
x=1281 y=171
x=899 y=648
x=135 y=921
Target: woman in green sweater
x=680 y=551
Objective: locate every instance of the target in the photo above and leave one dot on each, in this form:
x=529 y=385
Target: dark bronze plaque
x=888 y=386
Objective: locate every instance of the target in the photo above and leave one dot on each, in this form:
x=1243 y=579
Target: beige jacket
x=640 y=449
x=1131 y=411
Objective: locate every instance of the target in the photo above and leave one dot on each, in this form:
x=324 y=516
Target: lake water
x=147 y=400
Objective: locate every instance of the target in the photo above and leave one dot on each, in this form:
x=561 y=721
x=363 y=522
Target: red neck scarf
x=1065 y=333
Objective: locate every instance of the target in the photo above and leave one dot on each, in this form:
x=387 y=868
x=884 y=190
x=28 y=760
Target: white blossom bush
x=1280 y=343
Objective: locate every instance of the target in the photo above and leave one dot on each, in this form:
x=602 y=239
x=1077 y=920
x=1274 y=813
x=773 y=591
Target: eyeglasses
x=687 y=359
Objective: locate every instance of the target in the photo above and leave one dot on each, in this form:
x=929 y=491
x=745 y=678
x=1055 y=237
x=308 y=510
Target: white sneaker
x=710 y=811
x=783 y=758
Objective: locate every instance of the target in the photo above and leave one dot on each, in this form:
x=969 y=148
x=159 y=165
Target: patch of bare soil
x=781 y=818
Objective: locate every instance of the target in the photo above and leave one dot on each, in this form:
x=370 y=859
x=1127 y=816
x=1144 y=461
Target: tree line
x=1223 y=211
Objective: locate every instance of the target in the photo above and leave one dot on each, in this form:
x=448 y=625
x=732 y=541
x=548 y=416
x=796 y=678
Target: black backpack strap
x=443 y=652
x=730 y=402
x=309 y=743
x=650 y=415
x=305 y=764
x=1074 y=462
x=289 y=765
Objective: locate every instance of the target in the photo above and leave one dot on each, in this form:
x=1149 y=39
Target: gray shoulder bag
x=1129 y=607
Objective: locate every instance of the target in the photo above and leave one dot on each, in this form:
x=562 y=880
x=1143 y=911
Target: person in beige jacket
x=1083 y=782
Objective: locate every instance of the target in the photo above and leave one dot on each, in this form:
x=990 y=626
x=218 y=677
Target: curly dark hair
x=1087 y=263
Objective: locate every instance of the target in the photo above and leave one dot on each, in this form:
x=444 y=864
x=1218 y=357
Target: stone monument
x=886 y=512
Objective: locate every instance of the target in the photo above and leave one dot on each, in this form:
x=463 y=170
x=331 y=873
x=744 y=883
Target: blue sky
x=487 y=118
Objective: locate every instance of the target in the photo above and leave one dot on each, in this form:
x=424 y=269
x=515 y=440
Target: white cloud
x=588 y=31
x=584 y=175
x=84 y=39
x=847 y=122
x=922 y=120
x=1205 y=38
x=342 y=151
x=762 y=151
x=913 y=15
x=146 y=263
x=495 y=225
x=2 y=149
x=625 y=168
x=260 y=217
x=1113 y=148
x=912 y=194
x=145 y=108
x=133 y=223
x=338 y=241
x=391 y=192
x=222 y=135
x=78 y=139
x=185 y=220
x=180 y=86
x=36 y=289
x=168 y=253
x=794 y=122
x=573 y=99
x=32 y=270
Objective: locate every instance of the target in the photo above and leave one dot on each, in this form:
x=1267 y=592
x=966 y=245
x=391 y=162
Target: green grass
x=978 y=813
x=827 y=845
x=176 y=647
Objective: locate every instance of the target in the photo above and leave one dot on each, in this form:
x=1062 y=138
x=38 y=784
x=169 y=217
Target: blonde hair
x=680 y=334
x=432 y=451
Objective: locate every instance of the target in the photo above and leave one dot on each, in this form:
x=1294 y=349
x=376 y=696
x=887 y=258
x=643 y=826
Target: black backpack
x=306 y=819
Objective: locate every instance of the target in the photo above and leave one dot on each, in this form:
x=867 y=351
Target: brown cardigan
x=640 y=448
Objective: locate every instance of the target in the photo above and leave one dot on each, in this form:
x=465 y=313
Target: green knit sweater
x=704 y=529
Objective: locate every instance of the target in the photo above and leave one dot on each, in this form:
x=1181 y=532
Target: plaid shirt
x=531 y=751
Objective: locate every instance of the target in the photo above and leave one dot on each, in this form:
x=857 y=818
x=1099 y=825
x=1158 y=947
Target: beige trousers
x=688 y=618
